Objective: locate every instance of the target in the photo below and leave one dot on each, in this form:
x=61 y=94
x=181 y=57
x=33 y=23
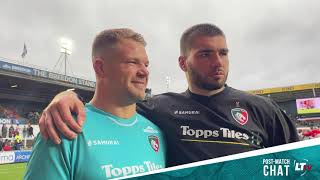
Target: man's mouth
x=217 y=74
x=141 y=84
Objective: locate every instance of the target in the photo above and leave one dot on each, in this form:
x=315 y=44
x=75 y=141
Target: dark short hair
x=196 y=31
x=110 y=37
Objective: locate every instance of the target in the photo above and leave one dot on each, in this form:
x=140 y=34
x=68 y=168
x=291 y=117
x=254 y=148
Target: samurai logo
x=154 y=142
x=89 y=143
x=240 y=115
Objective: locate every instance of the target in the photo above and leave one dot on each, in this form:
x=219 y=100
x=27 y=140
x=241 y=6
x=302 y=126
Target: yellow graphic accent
x=308 y=111
x=286 y=89
x=221 y=142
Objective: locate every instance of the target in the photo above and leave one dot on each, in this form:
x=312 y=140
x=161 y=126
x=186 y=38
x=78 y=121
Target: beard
x=205 y=82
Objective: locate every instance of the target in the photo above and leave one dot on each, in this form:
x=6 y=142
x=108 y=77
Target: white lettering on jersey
x=112 y=172
x=123 y=171
x=152 y=166
x=102 y=142
x=206 y=133
x=227 y=133
x=199 y=132
x=195 y=112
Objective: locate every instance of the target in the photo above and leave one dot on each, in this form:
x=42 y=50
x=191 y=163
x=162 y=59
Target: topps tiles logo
x=208 y=133
x=112 y=171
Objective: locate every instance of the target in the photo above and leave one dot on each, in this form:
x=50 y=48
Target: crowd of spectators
x=11 y=137
x=16 y=131
x=33 y=117
x=308 y=129
x=308 y=133
x=9 y=112
x=12 y=112
x=9 y=131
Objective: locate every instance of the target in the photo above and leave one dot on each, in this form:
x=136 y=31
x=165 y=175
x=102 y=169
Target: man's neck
x=110 y=105
x=204 y=92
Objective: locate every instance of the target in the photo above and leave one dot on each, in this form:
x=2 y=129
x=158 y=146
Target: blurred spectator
x=30 y=130
x=17 y=141
x=4 y=130
x=7 y=146
x=313 y=133
x=300 y=134
x=4 y=142
x=2 y=109
x=2 y=115
x=18 y=129
x=1 y=143
x=33 y=117
x=11 y=131
x=24 y=131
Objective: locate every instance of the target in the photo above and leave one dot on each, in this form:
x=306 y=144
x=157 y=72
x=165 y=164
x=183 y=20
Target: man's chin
x=212 y=86
x=138 y=96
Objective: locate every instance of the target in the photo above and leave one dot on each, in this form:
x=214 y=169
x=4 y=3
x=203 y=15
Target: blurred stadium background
x=25 y=90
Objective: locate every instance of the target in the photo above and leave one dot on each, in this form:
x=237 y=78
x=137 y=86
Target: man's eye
x=223 y=53
x=204 y=54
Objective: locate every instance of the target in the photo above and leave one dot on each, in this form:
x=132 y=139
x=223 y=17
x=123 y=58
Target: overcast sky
x=272 y=43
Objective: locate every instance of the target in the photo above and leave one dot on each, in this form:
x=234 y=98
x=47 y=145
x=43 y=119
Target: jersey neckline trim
x=120 y=121
x=206 y=99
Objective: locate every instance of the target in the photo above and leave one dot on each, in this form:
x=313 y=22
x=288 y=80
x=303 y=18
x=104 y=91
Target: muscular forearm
x=58 y=117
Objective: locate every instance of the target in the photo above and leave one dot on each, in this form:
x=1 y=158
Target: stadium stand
x=25 y=90
x=290 y=98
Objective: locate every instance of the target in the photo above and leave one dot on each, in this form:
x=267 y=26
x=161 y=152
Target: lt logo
x=303 y=167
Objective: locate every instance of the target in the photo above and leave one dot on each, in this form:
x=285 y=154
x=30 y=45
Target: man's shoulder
x=249 y=97
x=167 y=95
x=163 y=98
x=145 y=121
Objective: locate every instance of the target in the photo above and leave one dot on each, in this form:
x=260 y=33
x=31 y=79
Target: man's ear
x=98 y=66
x=183 y=63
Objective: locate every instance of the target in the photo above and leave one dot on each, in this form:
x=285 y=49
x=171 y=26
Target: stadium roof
x=24 y=83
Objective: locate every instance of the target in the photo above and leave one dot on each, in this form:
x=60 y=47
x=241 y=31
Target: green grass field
x=12 y=171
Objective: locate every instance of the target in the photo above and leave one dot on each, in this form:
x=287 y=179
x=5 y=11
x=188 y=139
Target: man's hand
x=57 y=116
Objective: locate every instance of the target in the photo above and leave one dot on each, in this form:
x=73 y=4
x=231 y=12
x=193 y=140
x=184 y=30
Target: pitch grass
x=12 y=171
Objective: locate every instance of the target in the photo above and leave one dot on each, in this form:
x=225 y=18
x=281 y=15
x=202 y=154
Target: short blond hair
x=111 y=37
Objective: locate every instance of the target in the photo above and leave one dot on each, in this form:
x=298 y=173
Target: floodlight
x=65 y=45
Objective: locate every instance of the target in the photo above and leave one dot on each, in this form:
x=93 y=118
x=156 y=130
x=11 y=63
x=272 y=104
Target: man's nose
x=216 y=60
x=143 y=71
